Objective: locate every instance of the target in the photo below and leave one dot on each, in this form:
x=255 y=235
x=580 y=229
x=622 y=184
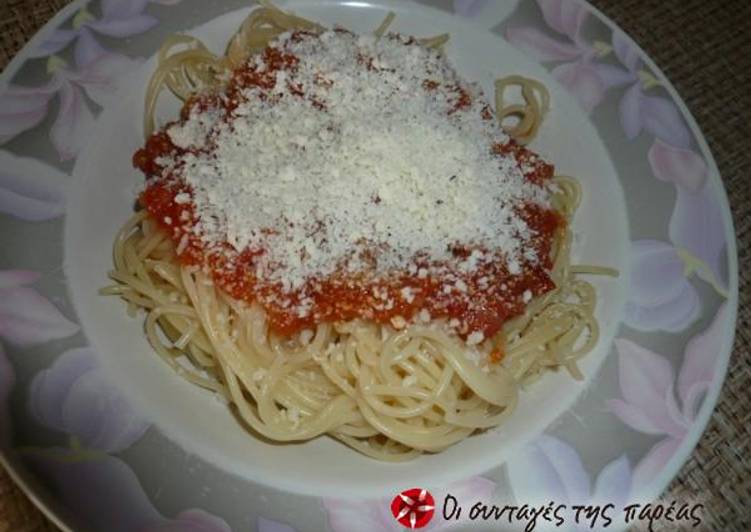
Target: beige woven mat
x=704 y=47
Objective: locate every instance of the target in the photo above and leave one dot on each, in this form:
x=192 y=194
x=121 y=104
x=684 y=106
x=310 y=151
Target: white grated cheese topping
x=379 y=163
x=475 y=338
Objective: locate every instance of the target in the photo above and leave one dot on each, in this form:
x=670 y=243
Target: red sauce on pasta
x=488 y=297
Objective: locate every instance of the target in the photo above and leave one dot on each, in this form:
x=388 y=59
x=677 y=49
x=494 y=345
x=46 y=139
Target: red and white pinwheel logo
x=413 y=508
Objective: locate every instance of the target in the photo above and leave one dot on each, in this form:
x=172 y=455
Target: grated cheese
x=475 y=338
x=340 y=166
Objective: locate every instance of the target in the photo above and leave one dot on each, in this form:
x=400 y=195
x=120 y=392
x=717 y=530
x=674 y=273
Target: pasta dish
x=341 y=236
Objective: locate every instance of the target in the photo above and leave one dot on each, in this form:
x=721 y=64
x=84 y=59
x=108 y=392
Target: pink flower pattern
x=30 y=189
x=374 y=515
x=648 y=386
x=576 y=69
x=639 y=111
x=581 y=69
x=550 y=469
x=95 y=73
x=24 y=107
x=660 y=295
x=696 y=225
x=120 y=18
x=26 y=317
x=74 y=396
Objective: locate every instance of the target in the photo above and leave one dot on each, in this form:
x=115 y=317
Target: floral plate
x=104 y=438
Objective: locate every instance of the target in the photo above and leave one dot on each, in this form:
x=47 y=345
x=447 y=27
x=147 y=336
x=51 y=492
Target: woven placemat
x=704 y=47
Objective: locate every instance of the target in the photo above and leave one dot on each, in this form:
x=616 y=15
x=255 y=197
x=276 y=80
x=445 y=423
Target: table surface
x=704 y=48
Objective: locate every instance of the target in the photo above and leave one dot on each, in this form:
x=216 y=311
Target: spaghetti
x=391 y=387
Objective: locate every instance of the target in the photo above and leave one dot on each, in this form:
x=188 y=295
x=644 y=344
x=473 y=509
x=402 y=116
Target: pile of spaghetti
x=339 y=236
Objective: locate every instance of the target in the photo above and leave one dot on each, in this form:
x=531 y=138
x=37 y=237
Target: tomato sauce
x=480 y=300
